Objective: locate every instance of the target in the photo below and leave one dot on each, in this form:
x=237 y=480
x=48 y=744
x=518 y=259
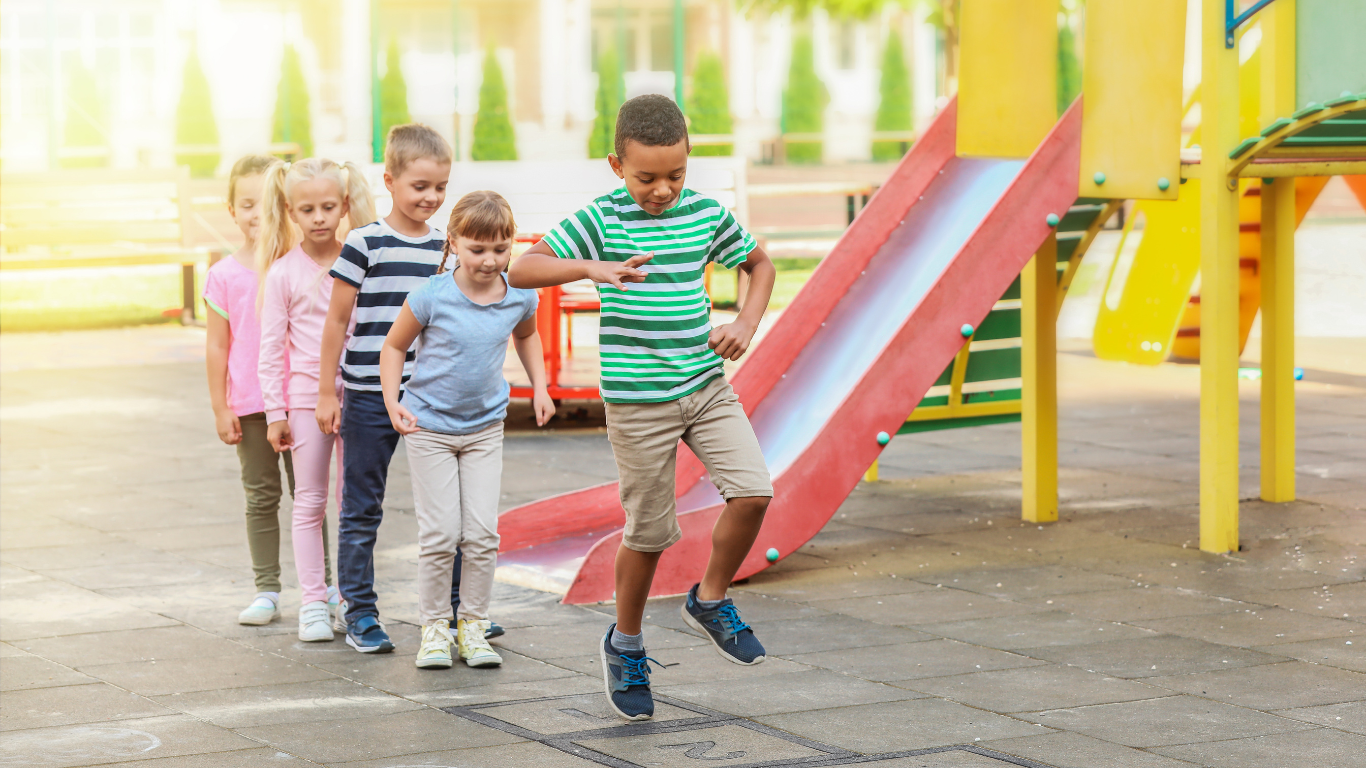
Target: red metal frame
x=548 y=324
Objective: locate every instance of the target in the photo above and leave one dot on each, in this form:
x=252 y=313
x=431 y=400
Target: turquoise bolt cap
x=967 y=330
x=883 y=438
x=1099 y=178
x=771 y=555
x=1052 y=219
x=1299 y=374
x=1164 y=184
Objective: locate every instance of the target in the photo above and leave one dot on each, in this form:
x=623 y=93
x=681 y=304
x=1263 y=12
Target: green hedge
x=709 y=103
x=194 y=121
x=292 y=121
x=493 y=135
x=894 y=107
x=611 y=93
x=393 y=93
x=85 y=120
x=804 y=102
x=1069 y=69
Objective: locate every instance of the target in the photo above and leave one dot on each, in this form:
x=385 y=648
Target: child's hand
x=229 y=428
x=543 y=405
x=281 y=439
x=405 y=423
x=732 y=339
x=328 y=414
x=618 y=273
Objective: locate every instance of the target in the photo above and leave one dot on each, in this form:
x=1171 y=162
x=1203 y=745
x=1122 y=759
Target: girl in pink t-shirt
x=234 y=343
x=304 y=202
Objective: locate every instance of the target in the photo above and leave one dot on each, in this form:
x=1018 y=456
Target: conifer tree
x=393 y=93
x=1069 y=70
x=292 y=122
x=194 y=120
x=804 y=102
x=709 y=103
x=85 y=121
x=894 y=109
x=493 y=134
x=611 y=93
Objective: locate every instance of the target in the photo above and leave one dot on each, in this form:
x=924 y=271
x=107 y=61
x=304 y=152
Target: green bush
x=611 y=93
x=493 y=136
x=804 y=102
x=85 y=122
x=709 y=103
x=292 y=122
x=194 y=120
x=1069 y=70
x=393 y=94
x=894 y=109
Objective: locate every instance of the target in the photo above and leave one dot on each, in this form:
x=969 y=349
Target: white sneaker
x=435 y=652
x=474 y=647
x=338 y=611
x=262 y=610
x=313 y=626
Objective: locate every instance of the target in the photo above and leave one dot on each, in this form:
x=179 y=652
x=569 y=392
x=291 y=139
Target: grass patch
x=71 y=299
x=792 y=275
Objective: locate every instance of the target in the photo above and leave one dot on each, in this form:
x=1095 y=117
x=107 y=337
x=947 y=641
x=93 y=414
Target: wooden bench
x=100 y=218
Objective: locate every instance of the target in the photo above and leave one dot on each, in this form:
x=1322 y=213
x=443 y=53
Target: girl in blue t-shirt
x=452 y=416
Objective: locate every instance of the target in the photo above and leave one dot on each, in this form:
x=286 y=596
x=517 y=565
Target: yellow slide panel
x=1004 y=107
x=1131 y=116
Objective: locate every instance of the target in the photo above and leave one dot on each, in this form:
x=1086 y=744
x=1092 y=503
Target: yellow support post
x=1005 y=108
x=1278 y=266
x=871 y=475
x=1039 y=386
x=1218 y=288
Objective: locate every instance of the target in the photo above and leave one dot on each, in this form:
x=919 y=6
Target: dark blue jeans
x=370 y=440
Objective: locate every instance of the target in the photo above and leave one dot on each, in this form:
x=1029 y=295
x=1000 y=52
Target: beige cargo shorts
x=645 y=437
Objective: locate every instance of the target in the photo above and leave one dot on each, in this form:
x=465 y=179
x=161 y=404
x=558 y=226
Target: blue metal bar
x=1232 y=22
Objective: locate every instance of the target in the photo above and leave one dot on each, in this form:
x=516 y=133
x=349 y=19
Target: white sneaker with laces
x=435 y=652
x=313 y=624
x=474 y=647
x=262 y=610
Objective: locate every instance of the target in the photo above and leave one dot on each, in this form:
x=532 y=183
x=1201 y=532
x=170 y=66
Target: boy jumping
x=646 y=246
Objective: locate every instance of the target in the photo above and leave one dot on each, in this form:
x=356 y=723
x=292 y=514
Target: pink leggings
x=312 y=453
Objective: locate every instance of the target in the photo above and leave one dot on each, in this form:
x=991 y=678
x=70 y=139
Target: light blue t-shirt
x=457 y=386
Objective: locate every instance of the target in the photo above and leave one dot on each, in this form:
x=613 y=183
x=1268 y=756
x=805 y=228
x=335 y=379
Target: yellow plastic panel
x=1007 y=88
x=1131 y=113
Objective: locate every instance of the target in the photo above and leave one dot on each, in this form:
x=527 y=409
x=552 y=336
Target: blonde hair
x=481 y=215
x=411 y=142
x=247 y=165
x=278 y=233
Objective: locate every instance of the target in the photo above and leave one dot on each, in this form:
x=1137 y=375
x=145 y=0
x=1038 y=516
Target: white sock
x=273 y=597
x=624 y=642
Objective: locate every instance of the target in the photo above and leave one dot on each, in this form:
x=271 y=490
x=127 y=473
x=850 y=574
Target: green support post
x=678 y=52
x=376 y=140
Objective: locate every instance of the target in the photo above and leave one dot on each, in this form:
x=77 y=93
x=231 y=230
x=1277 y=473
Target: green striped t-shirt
x=653 y=336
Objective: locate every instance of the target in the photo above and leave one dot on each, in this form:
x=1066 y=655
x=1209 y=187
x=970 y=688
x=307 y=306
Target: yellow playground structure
x=1222 y=209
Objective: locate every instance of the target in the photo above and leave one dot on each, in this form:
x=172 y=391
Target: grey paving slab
x=174 y=642
x=54 y=533
x=585 y=712
x=507 y=756
x=725 y=744
x=800 y=636
x=756 y=610
x=1033 y=688
x=495 y=692
x=7 y=650
x=1073 y=750
x=368 y=738
x=1272 y=686
x=47 y=608
x=1350 y=716
x=1034 y=630
x=18 y=673
x=1320 y=748
x=1153 y=656
x=238 y=670
x=245 y=758
x=955 y=758
x=793 y=692
x=1265 y=626
x=1172 y=720
x=910 y=661
x=47 y=559
x=577 y=639
x=397 y=674
x=900 y=725
x=161 y=573
x=682 y=666
x=1137 y=603
x=1018 y=583
x=331 y=699
x=79 y=745
x=73 y=704
x=928 y=607
x=1344 y=653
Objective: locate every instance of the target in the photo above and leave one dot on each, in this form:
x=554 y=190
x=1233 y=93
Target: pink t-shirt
x=230 y=290
x=293 y=314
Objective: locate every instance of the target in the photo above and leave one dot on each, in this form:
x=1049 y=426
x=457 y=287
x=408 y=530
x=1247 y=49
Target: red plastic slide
x=851 y=357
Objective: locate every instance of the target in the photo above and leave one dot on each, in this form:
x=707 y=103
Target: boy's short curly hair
x=652 y=120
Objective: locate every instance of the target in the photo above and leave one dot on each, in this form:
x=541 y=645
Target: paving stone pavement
x=924 y=627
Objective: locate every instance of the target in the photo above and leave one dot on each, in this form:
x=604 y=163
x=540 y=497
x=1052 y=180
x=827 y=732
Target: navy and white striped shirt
x=385 y=266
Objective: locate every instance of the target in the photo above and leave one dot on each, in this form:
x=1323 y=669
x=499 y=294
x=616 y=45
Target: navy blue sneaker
x=367 y=635
x=626 y=675
x=495 y=630
x=733 y=638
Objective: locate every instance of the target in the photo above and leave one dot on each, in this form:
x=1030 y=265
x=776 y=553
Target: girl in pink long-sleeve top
x=304 y=203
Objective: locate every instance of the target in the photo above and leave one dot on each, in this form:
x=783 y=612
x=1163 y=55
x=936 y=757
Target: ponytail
x=358 y=196
x=277 y=231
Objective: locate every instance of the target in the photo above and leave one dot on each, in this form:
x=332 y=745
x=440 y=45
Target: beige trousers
x=456 y=483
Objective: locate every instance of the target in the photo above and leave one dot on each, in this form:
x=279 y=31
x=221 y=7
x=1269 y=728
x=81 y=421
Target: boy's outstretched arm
x=732 y=339
x=539 y=267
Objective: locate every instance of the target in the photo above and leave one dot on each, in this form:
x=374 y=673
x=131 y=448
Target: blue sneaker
x=495 y=630
x=367 y=635
x=733 y=638
x=626 y=675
